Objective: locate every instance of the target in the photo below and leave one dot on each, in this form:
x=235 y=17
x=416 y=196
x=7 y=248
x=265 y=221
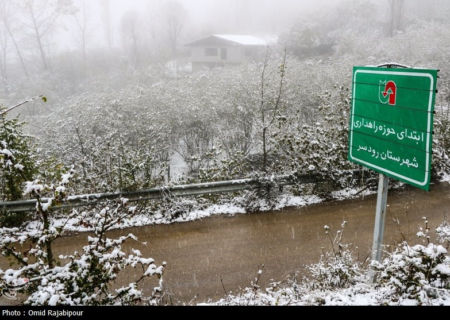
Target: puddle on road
x=209 y=257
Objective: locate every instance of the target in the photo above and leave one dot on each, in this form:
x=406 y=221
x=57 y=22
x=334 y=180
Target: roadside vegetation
x=409 y=275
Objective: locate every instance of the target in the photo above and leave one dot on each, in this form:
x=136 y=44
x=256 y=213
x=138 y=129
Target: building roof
x=244 y=40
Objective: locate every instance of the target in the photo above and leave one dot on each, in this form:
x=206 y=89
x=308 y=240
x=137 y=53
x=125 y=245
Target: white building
x=220 y=50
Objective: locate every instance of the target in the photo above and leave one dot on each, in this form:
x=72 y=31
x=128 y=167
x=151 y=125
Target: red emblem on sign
x=389 y=93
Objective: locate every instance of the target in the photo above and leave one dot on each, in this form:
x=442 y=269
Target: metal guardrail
x=159 y=193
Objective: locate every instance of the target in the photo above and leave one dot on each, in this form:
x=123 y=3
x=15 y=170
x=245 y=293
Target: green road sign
x=391 y=122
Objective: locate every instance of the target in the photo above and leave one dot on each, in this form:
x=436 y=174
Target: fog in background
x=202 y=17
x=58 y=47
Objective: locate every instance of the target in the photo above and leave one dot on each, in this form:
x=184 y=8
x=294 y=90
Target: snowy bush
x=418 y=272
x=18 y=163
x=17 y=158
x=263 y=198
x=321 y=147
x=441 y=143
x=415 y=272
x=443 y=233
x=173 y=208
x=337 y=268
x=80 y=278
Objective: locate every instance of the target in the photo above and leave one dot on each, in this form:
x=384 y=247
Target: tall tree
x=7 y=16
x=395 y=16
x=107 y=22
x=41 y=18
x=153 y=21
x=83 y=19
x=4 y=46
x=131 y=34
x=175 y=18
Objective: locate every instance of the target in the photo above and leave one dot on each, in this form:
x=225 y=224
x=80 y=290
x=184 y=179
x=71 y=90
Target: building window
x=210 y=52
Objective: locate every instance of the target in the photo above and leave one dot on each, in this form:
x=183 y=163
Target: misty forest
x=99 y=96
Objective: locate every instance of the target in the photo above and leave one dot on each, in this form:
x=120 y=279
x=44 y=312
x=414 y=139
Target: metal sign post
x=391 y=127
x=380 y=217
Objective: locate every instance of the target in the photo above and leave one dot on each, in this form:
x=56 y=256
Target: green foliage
x=13 y=219
x=17 y=160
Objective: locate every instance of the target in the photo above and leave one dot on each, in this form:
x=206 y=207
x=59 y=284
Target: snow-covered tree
x=77 y=279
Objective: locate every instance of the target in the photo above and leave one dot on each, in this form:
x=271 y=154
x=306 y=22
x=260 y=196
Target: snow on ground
x=195 y=214
x=284 y=201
